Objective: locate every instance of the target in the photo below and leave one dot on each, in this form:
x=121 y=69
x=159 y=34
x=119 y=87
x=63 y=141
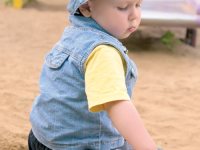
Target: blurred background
x=167 y=93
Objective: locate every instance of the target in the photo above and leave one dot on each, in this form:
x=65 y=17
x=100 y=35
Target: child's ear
x=85 y=10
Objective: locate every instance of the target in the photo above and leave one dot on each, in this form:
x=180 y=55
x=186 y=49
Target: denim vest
x=60 y=117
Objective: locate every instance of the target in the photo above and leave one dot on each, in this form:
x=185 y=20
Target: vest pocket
x=55 y=59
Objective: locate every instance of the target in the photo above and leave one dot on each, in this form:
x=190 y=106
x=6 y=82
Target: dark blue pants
x=34 y=144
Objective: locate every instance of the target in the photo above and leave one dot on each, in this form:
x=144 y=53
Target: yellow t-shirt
x=105 y=77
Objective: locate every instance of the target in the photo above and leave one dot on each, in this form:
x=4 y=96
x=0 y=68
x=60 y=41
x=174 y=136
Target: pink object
x=180 y=13
x=196 y=5
x=173 y=13
x=198 y=10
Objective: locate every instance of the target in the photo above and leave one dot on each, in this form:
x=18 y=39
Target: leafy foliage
x=7 y=2
x=169 y=39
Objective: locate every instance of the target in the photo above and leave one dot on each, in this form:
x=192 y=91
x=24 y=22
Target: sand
x=167 y=93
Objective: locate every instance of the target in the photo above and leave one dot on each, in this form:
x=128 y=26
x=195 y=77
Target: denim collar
x=86 y=22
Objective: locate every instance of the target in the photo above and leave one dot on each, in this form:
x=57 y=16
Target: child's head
x=118 y=17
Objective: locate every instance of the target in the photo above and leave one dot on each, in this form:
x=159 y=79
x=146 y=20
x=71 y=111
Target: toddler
x=86 y=83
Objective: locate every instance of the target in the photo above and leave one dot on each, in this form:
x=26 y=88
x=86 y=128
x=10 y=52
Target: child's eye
x=138 y=5
x=122 y=8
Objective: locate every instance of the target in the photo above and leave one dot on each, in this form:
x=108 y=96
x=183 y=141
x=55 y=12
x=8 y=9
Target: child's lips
x=131 y=29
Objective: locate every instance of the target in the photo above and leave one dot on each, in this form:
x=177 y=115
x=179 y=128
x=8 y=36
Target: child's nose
x=134 y=14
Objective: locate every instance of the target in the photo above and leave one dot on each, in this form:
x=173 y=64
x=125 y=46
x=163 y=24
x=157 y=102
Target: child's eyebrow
x=138 y=1
x=129 y=1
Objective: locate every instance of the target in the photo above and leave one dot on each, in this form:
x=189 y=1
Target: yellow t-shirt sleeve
x=105 y=77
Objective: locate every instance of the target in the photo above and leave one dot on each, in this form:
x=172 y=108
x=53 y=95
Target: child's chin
x=124 y=37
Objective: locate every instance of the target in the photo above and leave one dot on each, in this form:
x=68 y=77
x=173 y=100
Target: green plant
x=169 y=39
x=7 y=2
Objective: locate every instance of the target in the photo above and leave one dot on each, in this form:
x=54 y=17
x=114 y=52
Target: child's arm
x=128 y=122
